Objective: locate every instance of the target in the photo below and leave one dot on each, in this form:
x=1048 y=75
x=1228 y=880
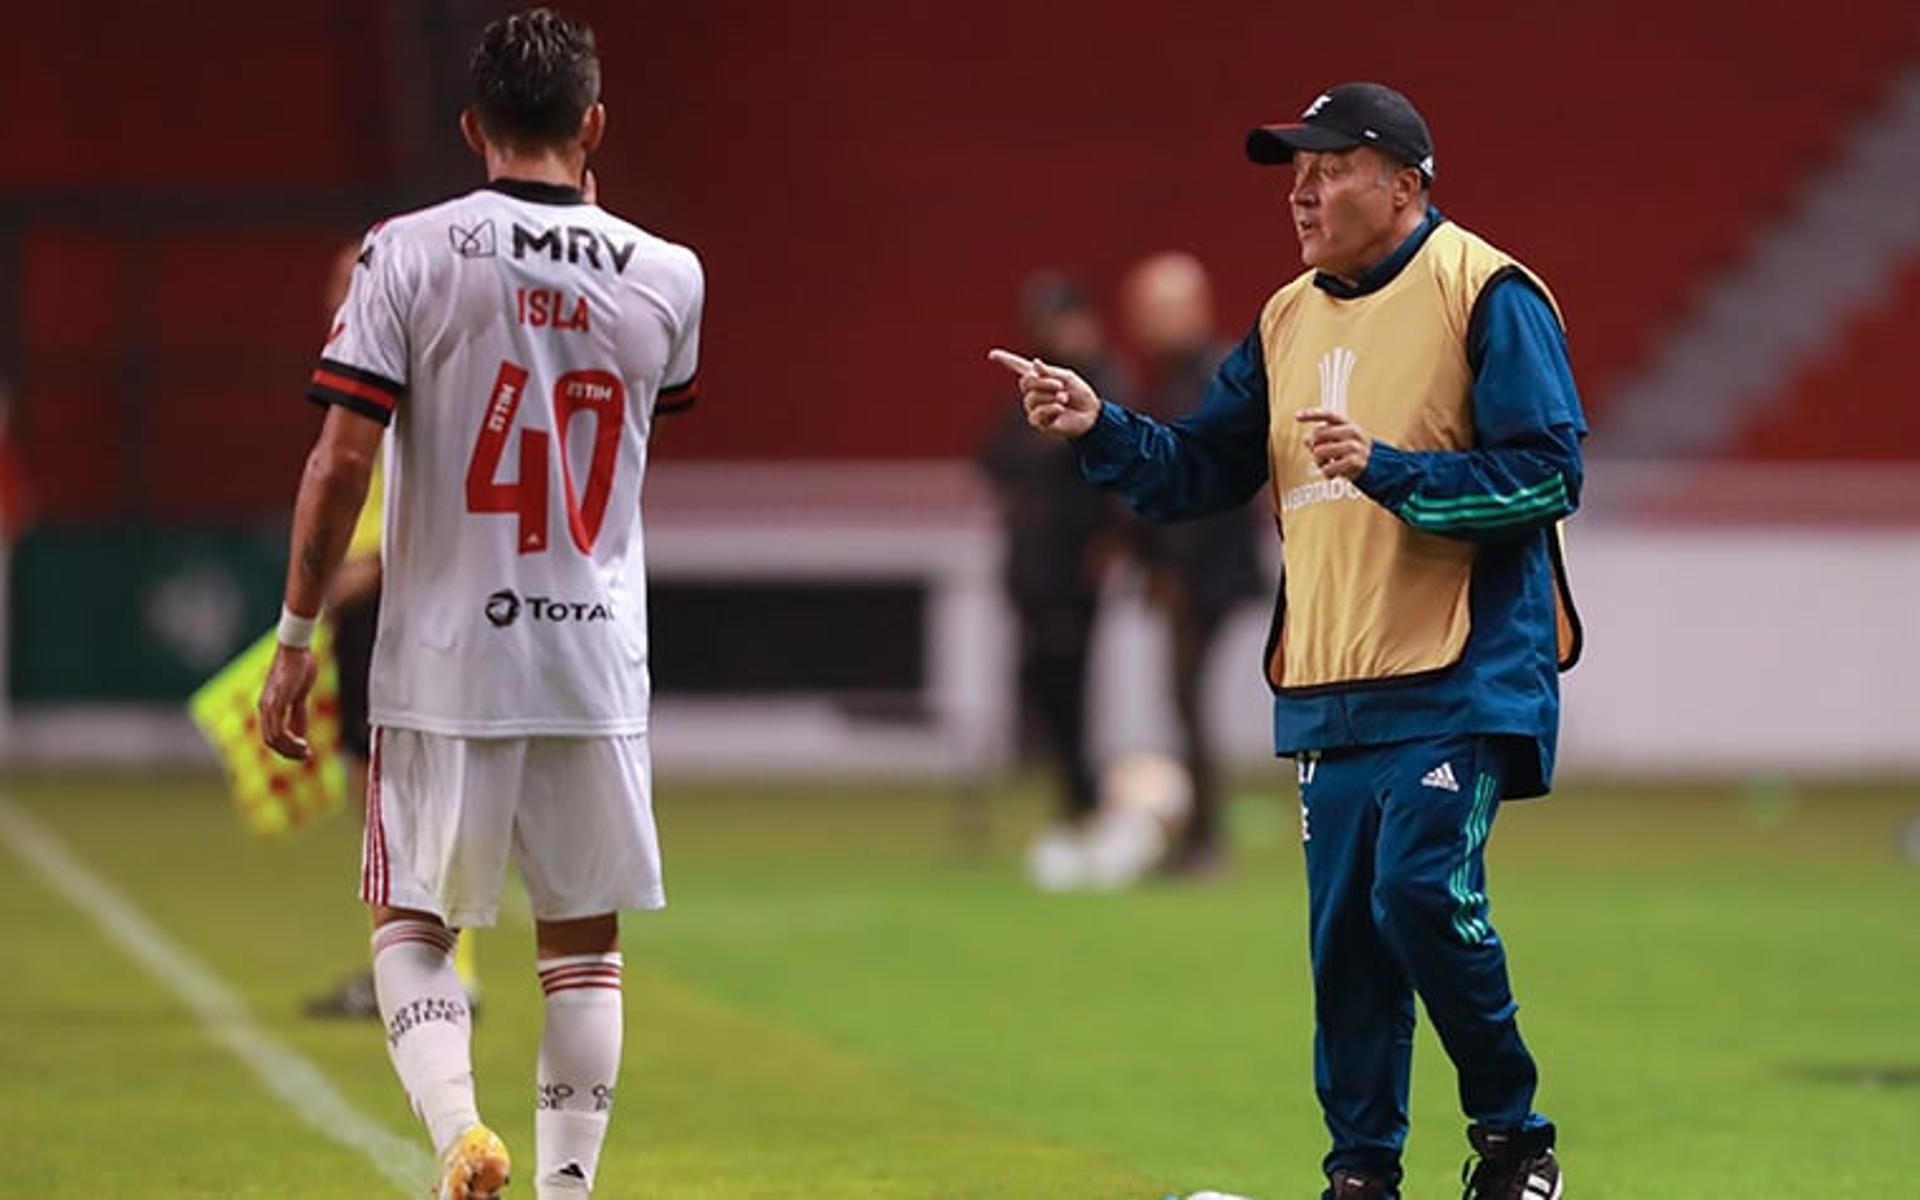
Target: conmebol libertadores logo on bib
x=1336 y=373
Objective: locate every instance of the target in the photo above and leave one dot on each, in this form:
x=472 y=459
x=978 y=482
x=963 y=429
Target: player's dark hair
x=535 y=74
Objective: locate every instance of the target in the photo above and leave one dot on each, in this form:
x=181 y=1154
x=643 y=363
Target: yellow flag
x=275 y=796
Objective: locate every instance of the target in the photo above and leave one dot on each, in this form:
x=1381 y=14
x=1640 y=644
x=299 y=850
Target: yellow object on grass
x=464 y=965
x=275 y=796
x=365 y=541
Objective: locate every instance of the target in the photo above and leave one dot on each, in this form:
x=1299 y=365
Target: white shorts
x=443 y=811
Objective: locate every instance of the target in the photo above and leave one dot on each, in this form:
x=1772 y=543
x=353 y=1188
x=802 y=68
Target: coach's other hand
x=283 y=703
x=1057 y=400
x=1339 y=447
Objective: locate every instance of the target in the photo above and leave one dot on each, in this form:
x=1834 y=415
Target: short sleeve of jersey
x=680 y=385
x=364 y=364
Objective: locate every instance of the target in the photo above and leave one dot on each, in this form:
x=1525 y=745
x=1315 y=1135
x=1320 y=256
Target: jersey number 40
x=596 y=392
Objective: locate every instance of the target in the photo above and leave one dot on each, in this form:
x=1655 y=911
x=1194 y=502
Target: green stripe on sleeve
x=1502 y=521
x=1490 y=500
x=1485 y=513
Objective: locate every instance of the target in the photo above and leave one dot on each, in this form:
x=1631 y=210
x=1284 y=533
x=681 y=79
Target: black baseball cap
x=1343 y=117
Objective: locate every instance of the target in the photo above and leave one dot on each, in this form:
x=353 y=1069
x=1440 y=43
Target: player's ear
x=470 y=129
x=593 y=127
x=1406 y=187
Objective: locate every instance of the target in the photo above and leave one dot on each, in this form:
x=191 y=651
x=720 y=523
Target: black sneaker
x=352 y=998
x=1353 y=1185
x=1511 y=1166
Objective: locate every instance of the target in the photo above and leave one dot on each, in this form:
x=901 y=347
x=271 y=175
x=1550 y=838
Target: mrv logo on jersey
x=505 y=606
x=574 y=243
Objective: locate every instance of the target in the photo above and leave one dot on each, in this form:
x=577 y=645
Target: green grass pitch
x=848 y=1000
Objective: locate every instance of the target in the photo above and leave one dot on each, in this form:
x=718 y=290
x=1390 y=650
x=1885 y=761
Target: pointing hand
x=1057 y=400
x=1340 y=448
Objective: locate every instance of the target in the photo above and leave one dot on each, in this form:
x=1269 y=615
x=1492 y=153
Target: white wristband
x=296 y=632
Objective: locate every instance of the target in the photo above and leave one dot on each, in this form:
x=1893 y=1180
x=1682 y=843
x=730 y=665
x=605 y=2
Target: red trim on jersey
x=366 y=844
x=678 y=398
x=373 y=869
x=353 y=387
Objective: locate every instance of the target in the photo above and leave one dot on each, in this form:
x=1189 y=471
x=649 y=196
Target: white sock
x=579 y=1060
x=429 y=1035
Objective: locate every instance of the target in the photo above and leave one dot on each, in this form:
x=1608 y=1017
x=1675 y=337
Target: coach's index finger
x=1012 y=362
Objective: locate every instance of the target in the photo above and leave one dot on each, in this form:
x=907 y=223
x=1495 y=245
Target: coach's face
x=1347 y=208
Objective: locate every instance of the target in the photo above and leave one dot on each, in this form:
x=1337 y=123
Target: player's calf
x=579 y=1054
x=424 y=1010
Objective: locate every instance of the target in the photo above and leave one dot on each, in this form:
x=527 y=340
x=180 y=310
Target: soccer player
x=513 y=346
x=1409 y=403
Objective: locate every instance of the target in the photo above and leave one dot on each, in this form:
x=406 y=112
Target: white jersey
x=520 y=341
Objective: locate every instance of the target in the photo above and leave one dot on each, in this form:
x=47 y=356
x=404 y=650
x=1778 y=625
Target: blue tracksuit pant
x=1396 y=879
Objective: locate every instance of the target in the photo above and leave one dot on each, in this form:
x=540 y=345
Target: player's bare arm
x=1340 y=447
x=332 y=489
x=1057 y=400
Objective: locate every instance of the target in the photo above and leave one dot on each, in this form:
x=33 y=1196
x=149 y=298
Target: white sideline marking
x=281 y=1069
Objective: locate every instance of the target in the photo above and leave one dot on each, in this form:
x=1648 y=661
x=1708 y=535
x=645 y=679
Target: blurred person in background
x=1198 y=571
x=1057 y=531
x=353 y=607
x=16 y=513
x=1409 y=402
x=16 y=498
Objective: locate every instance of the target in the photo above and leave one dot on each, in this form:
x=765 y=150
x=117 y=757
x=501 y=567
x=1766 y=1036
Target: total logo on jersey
x=505 y=606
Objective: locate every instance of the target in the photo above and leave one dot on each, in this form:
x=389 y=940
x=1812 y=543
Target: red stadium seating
x=122 y=93
x=1859 y=401
x=162 y=351
x=868 y=183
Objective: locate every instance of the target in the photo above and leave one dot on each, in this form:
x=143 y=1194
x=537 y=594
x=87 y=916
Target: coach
x=1409 y=402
